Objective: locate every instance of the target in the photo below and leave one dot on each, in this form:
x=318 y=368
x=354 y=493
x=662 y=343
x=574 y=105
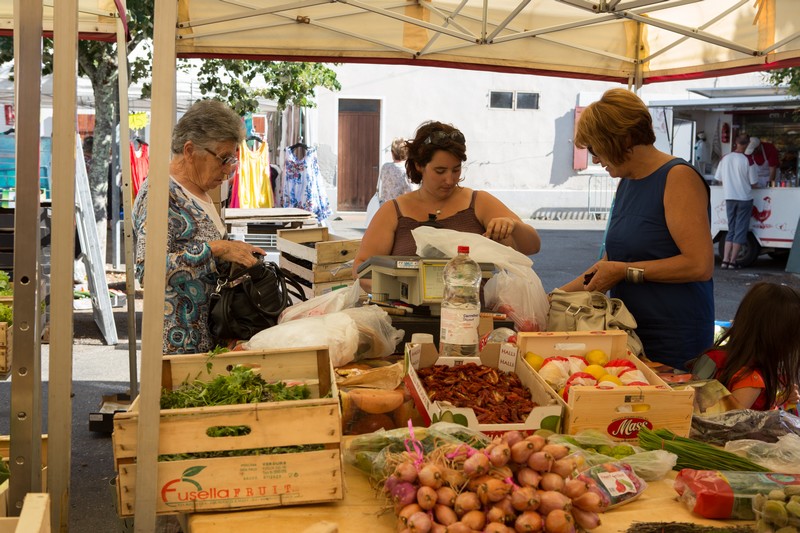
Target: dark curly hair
x=430 y=137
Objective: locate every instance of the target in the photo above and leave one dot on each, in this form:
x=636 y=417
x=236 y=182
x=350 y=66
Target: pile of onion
x=516 y=484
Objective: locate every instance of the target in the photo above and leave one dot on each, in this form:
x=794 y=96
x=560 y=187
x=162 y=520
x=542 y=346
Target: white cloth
x=763 y=170
x=737 y=175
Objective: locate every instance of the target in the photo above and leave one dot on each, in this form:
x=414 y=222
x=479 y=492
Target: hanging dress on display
x=233 y=194
x=140 y=165
x=302 y=183
x=254 y=188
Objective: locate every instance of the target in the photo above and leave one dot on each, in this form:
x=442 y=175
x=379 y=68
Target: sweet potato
x=375 y=402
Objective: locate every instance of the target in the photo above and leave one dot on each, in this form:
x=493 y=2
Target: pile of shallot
x=516 y=484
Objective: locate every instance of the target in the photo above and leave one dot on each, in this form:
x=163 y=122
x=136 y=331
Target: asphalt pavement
x=568 y=247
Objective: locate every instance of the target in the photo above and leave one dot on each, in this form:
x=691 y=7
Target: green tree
x=226 y=80
x=786 y=76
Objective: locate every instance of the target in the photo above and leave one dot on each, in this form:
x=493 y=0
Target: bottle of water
x=461 y=306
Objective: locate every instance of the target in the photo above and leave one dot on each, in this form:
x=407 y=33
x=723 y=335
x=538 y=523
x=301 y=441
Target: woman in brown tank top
x=435 y=156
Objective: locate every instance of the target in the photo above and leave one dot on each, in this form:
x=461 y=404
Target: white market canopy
x=629 y=41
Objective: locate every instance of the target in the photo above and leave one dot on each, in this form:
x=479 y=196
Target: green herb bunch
x=241 y=385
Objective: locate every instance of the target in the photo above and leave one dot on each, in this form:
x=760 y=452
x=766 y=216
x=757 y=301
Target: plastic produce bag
x=337 y=331
x=518 y=292
x=767 y=426
x=597 y=448
x=781 y=456
x=376 y=335
x=616 y=483
x=323 y=304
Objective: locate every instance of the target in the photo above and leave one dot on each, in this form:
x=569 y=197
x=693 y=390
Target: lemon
x=596 y=370
x=534 y=360
x=596 y=357
x=608 y=378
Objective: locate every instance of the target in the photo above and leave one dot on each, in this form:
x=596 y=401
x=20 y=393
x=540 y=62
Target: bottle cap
x=463 y=249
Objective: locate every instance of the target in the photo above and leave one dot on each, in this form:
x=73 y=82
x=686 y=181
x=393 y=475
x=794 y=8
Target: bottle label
x=459 y=326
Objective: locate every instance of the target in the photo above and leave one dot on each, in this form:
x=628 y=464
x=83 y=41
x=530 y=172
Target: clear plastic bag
x=767 y=426
x=376 y=335
x=616 y=483
x=596 y=448
x=323 y=304
x=781 y=456
x=518 y=291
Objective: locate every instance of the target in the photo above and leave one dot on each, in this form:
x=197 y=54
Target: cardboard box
x=243 y=481
x=617 y=412
x=504 y=357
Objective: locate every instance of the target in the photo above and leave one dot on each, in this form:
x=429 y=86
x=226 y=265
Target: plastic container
x=461 y=306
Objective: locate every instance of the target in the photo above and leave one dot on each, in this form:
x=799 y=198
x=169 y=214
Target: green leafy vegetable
x=242 y=385
x=6 y=314
x=6 y=289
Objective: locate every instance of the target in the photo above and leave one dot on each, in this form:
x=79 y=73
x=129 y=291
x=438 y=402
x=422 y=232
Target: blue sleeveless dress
x=675 y=320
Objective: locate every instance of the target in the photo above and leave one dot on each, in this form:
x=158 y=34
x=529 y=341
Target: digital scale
x=410 y=279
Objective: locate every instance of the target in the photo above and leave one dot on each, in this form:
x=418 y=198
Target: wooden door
x=359 y=153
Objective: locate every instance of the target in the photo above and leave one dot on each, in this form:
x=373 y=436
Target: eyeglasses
x=231 y=160
x=437 y=137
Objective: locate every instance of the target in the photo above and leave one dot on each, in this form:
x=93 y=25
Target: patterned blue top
x=191 y=269
x=302 y=184
x=675 y=320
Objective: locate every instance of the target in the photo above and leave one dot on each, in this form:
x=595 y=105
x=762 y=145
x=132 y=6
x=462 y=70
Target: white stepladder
x=90 y=246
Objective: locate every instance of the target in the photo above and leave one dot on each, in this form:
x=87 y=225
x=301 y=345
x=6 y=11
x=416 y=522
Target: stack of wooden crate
x=322 y=261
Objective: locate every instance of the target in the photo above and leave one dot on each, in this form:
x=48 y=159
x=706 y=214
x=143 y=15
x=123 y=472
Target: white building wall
x=522 y=156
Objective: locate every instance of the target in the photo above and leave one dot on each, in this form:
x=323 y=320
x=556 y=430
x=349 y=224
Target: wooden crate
x=617 y=412
x=6 y=338
x=244 y=481
x=34 y=517
x=323 y=261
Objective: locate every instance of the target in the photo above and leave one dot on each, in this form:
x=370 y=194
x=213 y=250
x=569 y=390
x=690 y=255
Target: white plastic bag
x=372 y=208
x=376 y=335
x=324 y=304
x=517 y=291
x=337 y=331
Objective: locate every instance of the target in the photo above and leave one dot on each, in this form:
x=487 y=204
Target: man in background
x=738 y=178
x=765 y=157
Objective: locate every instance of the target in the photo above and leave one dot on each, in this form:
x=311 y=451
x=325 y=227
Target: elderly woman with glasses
x=204 y=155
x=435 y=158
x=659 y=257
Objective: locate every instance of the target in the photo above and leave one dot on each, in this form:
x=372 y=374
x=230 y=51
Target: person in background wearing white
x=738 y=179
x=392 y=180
x=764 y=156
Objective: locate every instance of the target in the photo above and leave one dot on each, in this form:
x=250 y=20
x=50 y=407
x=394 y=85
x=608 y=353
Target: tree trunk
x=105 y=106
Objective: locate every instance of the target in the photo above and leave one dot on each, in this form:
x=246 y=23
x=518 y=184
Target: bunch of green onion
x=695 y=454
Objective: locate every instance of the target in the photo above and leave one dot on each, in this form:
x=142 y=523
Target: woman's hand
x=238 y=252
x=603 y=275
x=500 y=229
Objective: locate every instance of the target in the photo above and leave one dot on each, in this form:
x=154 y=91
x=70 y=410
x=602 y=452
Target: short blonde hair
x=614 y=124
x=399 y=149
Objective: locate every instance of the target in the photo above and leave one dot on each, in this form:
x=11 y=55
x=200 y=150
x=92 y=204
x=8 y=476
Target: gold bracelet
x=634 y=275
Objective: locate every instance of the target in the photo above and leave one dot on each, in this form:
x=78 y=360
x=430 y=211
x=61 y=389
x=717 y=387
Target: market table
x=360 y=511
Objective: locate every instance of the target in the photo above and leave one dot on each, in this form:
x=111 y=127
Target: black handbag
x=251 y=300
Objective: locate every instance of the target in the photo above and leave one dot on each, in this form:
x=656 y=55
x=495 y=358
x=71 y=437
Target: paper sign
x=414 y=351
x=574 y=347
x=508 y=357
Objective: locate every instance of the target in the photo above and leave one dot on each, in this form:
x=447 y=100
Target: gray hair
x=205 y=123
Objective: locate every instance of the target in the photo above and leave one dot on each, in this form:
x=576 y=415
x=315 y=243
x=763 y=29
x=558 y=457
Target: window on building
x=527 y=100
x=513 y=100
x=501 y=100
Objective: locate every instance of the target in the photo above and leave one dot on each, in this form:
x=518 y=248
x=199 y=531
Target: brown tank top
x=464 y=220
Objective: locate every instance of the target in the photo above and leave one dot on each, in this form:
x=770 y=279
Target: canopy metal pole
x=26 y=373
x=65 y=146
